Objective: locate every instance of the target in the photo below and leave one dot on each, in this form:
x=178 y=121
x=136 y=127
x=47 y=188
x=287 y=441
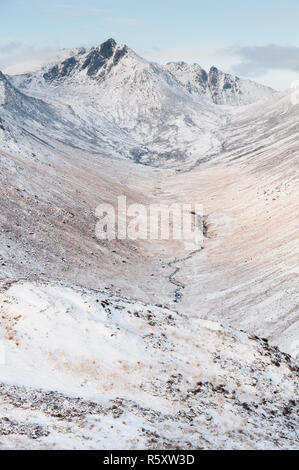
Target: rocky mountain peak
x=95 y=62
x=99 y=57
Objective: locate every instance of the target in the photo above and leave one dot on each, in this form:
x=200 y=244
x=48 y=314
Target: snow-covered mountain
x=132 y=108
x=138 y=344
x=147 y=378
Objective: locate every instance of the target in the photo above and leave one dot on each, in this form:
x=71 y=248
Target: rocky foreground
x=87 y=369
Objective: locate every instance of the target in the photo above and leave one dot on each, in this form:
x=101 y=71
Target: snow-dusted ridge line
x=124 y=373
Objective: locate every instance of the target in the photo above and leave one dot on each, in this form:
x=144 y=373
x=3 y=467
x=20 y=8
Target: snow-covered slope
x=244 y=188
x=247 y=274
x=99 y=64
x=93 y=370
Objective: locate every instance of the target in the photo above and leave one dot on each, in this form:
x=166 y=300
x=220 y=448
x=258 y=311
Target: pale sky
x=258 y=39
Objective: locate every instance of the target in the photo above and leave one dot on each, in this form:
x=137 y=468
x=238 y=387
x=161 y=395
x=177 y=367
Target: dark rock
x=94 y=62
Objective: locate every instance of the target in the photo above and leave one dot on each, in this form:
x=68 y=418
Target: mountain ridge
x=219 y=87
x=145 y=343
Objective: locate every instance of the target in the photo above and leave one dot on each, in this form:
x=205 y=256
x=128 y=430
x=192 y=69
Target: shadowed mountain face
x=96 y=62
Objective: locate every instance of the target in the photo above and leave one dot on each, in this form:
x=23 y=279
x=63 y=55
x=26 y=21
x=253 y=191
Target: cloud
x=204 y=55
x=9 y=47
x=18 y=57
x=258 y=60
x=272 y=65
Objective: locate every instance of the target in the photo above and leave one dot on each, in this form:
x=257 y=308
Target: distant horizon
x=251 y=40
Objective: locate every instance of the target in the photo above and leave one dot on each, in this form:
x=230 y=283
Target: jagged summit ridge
x=108 y=99
x=219 y=87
